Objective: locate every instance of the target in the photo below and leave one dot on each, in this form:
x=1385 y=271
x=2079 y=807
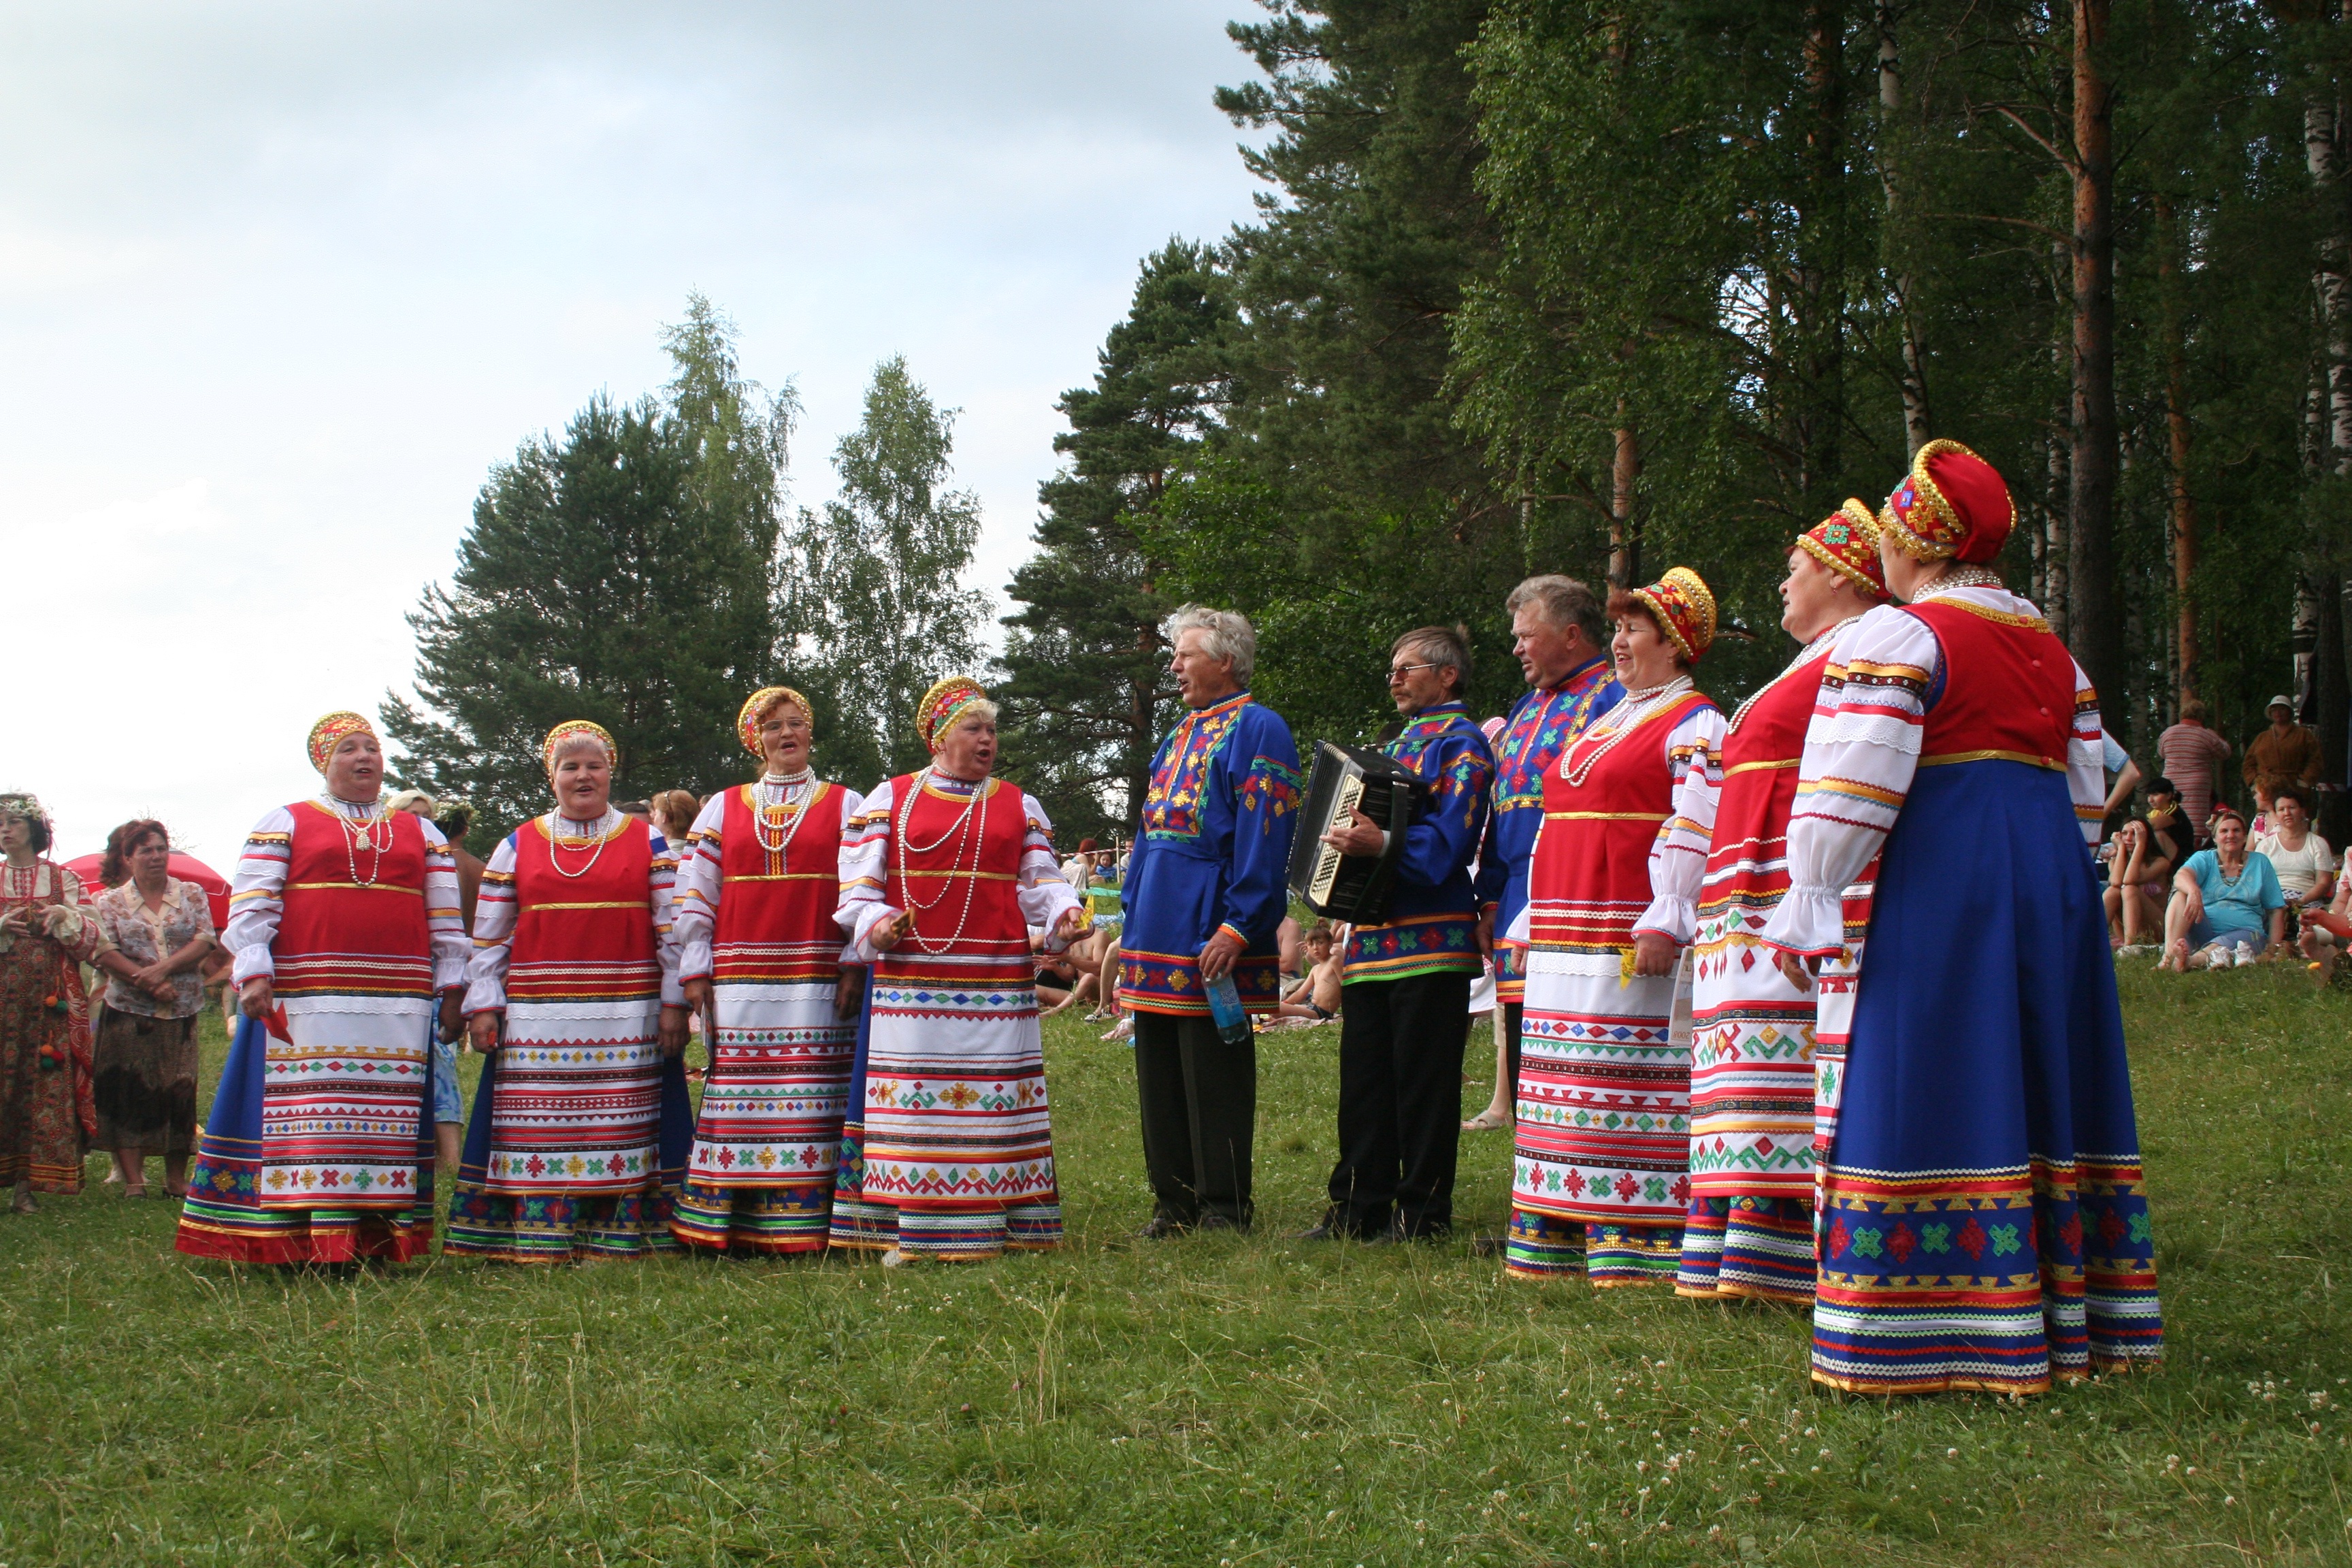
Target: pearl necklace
x=359 y=830
x=1804 y=657
x=1613 y=727
x=963 y=823
x=600 y=830
x=1958 y=577
x=784 y=787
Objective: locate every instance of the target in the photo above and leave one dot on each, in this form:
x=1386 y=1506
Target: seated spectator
x=2226 y=906
x=1315 y=997
x=1078 y=869
x=2141 y=860
x=2306 y=862
x=2191 y=755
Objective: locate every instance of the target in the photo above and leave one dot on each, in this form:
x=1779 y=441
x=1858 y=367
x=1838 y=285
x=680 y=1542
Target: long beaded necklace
x=776 y=792
x=1614 y=729
x=600 y=831
x=1804 y=657
x=963 y=823
x=359 y=830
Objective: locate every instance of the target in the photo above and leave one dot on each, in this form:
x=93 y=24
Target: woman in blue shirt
x=2224 y=897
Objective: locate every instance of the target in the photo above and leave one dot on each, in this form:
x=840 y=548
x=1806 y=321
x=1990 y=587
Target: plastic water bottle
x=1226 y=1006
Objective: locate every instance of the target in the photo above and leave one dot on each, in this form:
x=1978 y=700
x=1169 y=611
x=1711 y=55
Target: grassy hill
x=1209 y=1401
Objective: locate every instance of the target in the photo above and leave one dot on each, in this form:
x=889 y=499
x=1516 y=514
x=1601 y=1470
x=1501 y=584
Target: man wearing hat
x=2286 y=752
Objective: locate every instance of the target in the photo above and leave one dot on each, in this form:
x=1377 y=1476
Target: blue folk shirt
x=1541 y=724
x=1432 y=922
x=1213 y=852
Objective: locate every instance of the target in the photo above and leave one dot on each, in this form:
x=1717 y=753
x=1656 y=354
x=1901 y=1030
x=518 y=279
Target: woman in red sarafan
x=578 y=1138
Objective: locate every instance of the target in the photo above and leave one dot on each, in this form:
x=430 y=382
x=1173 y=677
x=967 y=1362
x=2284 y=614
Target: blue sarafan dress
x=1982 y=1220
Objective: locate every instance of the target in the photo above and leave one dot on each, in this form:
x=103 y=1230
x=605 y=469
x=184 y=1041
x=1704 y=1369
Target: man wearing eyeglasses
x=1406 y=981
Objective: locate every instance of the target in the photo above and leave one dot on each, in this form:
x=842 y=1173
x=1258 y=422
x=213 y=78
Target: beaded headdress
x=1683 y=607
x=755 y=712
x=936 y=713
x=1846 y=542
x=554 y=745
x=1952 y=504
x=328 y=733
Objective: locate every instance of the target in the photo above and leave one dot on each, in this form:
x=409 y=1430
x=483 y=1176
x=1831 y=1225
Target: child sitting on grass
x=1315 y=998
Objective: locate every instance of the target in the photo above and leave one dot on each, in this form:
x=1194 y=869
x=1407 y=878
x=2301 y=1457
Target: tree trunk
x=1821 y=262
x=2057 y=608
x=1914 y=381
x=1624 y=469
x=2176 y=425
x=2094 y=618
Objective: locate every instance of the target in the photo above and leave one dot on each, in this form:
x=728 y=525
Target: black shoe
x=1489 y=1245
x=1323 y=1230
x=1159 y=1228
x=1221 y=1222
x=1333 y=1230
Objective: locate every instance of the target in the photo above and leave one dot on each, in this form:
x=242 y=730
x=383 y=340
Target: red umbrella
x=185 y=868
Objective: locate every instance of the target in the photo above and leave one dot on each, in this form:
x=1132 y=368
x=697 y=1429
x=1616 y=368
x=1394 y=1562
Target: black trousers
x=1400 y=1044
x=1512 y=1013
x=1200 y=1112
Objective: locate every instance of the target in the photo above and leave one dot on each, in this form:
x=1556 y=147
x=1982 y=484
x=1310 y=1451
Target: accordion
x=1353 y=888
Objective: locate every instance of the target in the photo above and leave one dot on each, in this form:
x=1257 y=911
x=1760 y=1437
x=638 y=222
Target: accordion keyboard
x=1329 y=860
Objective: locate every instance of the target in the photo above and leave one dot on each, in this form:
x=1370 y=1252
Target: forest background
x=1537 y=285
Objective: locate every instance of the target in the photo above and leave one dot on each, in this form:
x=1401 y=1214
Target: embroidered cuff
x=1809 y=922
x=1670 y=917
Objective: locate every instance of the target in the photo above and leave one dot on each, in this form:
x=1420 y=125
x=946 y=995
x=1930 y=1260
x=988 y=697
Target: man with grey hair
x=1561 y=639
x=1406 y=979
x=1206 y=890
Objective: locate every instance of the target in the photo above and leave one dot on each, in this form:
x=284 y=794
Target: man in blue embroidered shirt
x=1205 y=892
x=1407 y=980
x=1561 y=639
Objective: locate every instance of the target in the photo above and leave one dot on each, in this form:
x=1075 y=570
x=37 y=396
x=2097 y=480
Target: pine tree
x=873 y=609
x=1087 y=692
x=626 y=573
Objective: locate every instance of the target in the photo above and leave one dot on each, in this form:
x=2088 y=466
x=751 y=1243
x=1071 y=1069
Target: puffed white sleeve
x=1862 y=749
x=494 y=925
x=1043 y=896
x=256 y=896
x=851 y=804
x=444 y=918
x=694 y=907
x=1678 y=853
x=2086 y=762
x=864 y=850
x=661 y=897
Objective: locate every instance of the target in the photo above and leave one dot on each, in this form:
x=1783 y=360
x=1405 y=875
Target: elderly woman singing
x=344 y=921
x=580 y=1125
x=760 y=954
x=942 y=871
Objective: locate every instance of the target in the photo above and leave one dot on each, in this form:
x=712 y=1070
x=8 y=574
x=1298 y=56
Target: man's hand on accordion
x=1361 y=836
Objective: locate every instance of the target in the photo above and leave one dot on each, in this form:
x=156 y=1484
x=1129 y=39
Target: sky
x=280 y=283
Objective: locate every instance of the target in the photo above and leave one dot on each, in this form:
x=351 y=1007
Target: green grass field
x=1207 y=1401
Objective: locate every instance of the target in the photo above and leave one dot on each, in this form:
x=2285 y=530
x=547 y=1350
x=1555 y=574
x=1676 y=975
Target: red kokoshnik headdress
x=755 y=710
x=1684 y=607
x=1952 y=505
x=328 y=733
x=938 y=710
x=1846 y=542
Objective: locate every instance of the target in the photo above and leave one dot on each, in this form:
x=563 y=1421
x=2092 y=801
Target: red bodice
x=1748 y=858
x=959 y=870
x=2008 y=689
x=775 y=910
x=353 y=920
x=583 y=918
x=1591 y=878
